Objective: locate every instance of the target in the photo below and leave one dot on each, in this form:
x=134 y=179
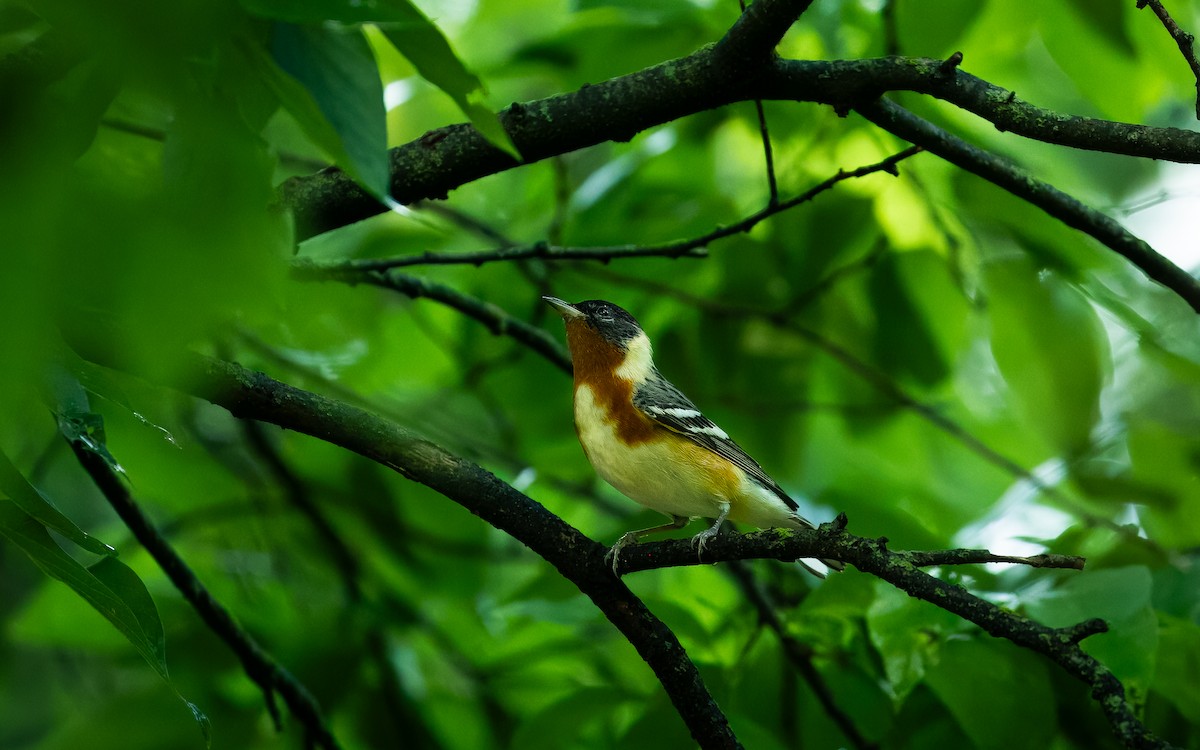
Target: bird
x=647 y=439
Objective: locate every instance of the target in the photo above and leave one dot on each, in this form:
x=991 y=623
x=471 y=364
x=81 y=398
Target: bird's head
x=602 y=334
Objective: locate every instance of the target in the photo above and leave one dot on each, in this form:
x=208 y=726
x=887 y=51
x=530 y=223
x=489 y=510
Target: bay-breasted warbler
x=650 y=442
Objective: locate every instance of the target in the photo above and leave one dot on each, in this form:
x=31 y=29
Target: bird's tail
x=834 y=565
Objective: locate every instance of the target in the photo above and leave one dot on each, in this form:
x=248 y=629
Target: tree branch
x=253 y=395
x=900 y=122
x=258 y=665
x=1060 y=645
x=495 y=318
x=1183 y=40
x=694 y=247
x=619 y=108
x=537 y=250
x=751 y=41
x=930 y=558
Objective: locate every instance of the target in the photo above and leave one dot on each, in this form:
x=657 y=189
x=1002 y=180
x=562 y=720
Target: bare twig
x=1183 y=40
x=256 y=662
x=495 y=318
x=694 y=247
x=536 y=250
x=765 y=134
x=931 y=558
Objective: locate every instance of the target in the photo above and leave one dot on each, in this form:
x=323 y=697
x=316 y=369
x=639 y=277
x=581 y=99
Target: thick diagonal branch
x=253 y=395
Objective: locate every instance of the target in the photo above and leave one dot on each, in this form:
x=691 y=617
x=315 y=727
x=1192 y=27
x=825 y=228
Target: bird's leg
x=633 y=537
x=703 y=537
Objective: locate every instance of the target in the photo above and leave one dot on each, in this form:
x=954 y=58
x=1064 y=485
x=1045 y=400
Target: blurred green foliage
x=136 y=206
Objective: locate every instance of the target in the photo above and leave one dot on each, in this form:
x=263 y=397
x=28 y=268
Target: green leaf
x=76 y=420
x=1121 y=597
x=109 y=586
x=908 y=634
x=998 y=694
x=29 y=535
x=920 y=316
x=1051 y=349
x=28 y=499
x=415 y=37
x=127 y=586
x=1106 y=18
x=1175 y=678
x=337 y=69
x=419 y=40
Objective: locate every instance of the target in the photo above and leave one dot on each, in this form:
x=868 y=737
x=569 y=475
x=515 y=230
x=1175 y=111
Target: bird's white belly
x=648 y=473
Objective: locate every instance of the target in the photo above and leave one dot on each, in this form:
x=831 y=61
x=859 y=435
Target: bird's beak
x=564 y=308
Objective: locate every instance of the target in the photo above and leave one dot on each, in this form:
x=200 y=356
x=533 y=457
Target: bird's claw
x=701 y=540
x=613 y=556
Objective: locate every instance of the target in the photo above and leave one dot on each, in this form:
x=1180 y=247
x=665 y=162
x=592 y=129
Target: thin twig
x=258 y=665
x=765 y=134
x=694 y=247
x=929 y=558
x=1183 y=40
x=798 y=653
x=495 y=318
x=536 y=250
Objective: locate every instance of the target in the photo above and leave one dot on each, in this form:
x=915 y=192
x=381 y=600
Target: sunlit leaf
x=1051 y=349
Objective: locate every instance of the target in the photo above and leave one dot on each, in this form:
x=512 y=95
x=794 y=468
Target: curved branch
x=621 y=107
x=253 y=395
x=1183 y=40
x=899 y=121
x=694 y=247
x=1060 y=645
x=847 y=83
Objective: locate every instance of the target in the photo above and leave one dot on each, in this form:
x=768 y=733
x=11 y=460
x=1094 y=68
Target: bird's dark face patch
x=614 y=324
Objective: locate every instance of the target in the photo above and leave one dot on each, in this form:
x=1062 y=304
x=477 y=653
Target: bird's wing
x=662 y=402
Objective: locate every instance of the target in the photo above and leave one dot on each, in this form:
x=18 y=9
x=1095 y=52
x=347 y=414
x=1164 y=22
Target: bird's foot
x=614 y=555
x=703 y=538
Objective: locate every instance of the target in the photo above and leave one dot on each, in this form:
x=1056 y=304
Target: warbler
x=650 y=442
